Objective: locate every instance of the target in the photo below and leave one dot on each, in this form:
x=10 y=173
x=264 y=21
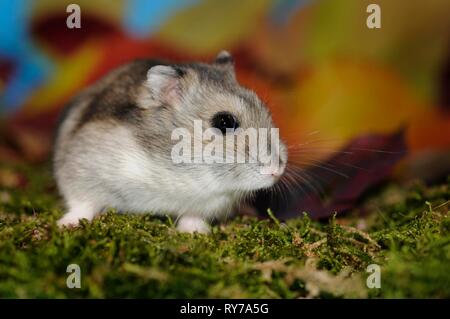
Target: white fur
x=126 y=179
x=104 y=164
x=191 y=224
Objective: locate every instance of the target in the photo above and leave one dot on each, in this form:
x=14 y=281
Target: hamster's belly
x=141 y=199
x=108 y=168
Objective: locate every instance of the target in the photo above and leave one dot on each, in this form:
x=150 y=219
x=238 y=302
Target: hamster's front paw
x=78 y=211
x=68 y=220
x=191 y=224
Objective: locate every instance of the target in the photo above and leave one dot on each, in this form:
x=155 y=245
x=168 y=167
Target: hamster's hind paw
x=192 y=224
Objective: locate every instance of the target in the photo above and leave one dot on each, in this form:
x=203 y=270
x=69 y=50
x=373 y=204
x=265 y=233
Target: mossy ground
x=406 y=232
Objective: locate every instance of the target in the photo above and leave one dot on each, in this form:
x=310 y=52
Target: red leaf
x=364 y=163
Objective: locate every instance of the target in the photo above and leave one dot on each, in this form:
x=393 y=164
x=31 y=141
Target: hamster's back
x=111 y=94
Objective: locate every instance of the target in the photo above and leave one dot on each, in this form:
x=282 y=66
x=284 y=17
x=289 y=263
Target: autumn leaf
x=338 y=183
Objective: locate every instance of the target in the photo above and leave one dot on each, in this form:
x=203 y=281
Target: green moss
x=406 y=232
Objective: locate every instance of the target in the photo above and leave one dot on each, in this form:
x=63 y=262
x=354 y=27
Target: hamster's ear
x=225 y=61
x=162 y=86
x=224 y=57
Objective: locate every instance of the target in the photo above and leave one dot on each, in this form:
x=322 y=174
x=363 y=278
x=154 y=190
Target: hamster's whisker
x=332 y=161
x=287 y=183
x=353 y=166
x=294 y=133
x=314 y=177
x=374 y=150
x=299 y=180
x=351 y=150
x=309 y=142
x=313 y=133
x=283 y=187
x=283 y=193
x=308 y=150
x=314 y=184
x=303 y=177
x=276 y=190
x=319 y=164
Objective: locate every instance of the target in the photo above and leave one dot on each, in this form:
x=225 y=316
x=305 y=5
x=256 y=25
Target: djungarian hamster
x=113 y=143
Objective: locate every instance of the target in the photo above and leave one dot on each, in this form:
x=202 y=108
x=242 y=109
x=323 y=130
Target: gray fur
x=113 y=145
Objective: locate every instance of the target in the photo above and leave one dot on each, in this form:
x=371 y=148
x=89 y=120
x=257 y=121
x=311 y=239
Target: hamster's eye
x=224 y=121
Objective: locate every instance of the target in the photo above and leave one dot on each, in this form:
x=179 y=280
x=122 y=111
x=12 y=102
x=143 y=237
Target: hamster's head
x=216 y=129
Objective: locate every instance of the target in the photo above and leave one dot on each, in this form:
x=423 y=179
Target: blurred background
x=329 y=80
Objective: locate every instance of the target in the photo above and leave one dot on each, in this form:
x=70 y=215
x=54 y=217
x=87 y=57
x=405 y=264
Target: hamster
x=113 y=144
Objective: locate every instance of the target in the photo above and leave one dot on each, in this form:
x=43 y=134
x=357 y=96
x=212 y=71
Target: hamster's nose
x=275 y=171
